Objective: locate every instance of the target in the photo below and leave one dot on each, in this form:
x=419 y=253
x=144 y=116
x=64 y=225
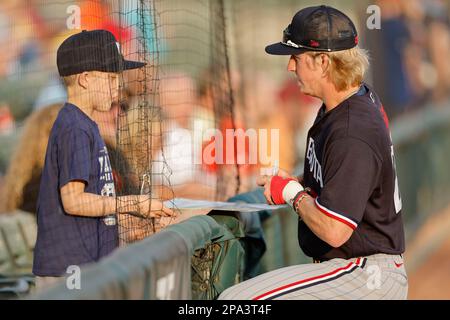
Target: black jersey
x=350 y=165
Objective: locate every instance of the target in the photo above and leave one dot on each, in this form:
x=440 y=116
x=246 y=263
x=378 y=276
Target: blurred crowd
x=410 y=69
x=410 y=54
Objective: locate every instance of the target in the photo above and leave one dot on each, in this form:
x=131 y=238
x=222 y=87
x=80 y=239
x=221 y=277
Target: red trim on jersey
x=335 y=215
x=304 y=281
x=385 y=117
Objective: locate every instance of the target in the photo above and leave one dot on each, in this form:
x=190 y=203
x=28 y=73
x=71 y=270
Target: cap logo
x=314 y=43
x=291 y=44
x=356 y=40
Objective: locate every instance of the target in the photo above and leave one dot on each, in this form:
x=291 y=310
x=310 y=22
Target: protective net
x=169 y=106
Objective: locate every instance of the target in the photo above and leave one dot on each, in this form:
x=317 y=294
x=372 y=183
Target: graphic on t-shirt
x=105 y=167
x=106 y=175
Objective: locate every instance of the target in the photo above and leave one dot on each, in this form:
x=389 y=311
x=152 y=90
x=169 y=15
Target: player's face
x=307 y=73
x=105 y=90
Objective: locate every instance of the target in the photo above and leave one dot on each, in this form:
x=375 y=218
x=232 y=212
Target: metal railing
x=189 y=260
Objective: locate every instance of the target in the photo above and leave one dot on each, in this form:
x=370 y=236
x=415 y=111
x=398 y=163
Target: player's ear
x=83 y=79
x=292 y=67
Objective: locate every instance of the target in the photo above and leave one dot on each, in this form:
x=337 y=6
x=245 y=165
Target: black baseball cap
x=319 y=28
x=96 y=50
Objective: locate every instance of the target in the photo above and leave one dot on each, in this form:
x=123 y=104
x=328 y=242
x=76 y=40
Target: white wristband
x=290 y=191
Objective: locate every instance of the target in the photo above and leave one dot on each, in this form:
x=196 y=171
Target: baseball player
x=347 y=200
x=76 y=204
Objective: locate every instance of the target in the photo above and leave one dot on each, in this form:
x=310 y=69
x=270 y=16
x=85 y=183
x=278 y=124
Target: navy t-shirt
x=75 y=152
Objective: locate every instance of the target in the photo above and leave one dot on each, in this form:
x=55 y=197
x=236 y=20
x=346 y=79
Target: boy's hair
x=347 y=67
x=69 y=80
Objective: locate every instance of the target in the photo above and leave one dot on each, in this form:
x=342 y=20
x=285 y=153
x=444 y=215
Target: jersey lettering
x=314 y=164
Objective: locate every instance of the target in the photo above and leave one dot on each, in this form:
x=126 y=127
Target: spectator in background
x=217 y=109
x=426 y=54
x=22 y=179
x=7 y=123
x=388 y=47
x=272 y=117
x=411 y=53
x=16 y=34
x=7 y=57
x=437 y=20
x=100 y=15
x=22 y=32
x=420 y=70
x=300 y=111
x=178 y=101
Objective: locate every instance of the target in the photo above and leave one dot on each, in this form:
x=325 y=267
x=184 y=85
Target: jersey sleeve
x=351 y=171
x=74 y=156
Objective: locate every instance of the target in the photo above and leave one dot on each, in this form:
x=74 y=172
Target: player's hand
x=152 y=208
x=265 y=179
x=278 y=190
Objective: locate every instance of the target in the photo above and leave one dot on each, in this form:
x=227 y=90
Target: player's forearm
x=333 y=232
x=281 y=190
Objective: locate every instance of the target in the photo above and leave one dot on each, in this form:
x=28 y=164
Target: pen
x=275 y=168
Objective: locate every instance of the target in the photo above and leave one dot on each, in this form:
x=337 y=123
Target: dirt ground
x=432 y=279
x=429 y=254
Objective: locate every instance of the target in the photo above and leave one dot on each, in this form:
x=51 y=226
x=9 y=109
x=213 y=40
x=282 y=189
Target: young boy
x=76 y=204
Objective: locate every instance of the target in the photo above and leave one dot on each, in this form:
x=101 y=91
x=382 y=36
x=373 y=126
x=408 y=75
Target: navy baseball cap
x=319 y=28
x=96 y=50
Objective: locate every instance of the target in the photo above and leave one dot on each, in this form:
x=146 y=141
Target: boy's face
x=103 y=89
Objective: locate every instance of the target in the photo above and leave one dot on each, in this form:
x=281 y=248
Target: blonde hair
x=347 y=68
x=27 y=160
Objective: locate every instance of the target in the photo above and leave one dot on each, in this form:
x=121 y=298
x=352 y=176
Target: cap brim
x=283 y=50
x=129 y=65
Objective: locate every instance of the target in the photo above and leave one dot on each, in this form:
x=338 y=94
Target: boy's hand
x=268 y=172
x=152 y=208
x=284 y=174
x=264 y=181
